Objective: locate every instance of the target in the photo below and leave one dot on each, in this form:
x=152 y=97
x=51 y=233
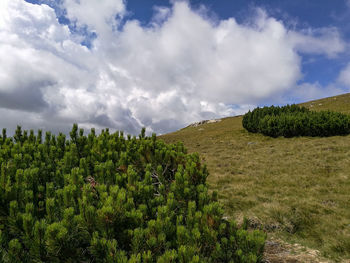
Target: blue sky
x=315 y=13
x=164 y=64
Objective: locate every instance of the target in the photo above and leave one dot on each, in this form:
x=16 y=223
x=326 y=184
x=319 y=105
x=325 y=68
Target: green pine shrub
x=105 y=198
x=292 y=120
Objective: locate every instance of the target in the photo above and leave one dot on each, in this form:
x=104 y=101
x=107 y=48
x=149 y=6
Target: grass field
x=296 y=189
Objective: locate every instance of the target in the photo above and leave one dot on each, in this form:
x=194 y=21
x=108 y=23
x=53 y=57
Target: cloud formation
x=181 y=68
x=344 y=76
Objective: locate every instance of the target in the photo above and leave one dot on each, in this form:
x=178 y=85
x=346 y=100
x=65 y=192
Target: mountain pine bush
x=292 y=120
x=107 y=198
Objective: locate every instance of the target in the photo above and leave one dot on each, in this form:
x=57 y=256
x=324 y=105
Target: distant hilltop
x=196 y=124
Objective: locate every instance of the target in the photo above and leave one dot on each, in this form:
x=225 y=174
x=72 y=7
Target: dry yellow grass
x=339 y=103
x=297 y=189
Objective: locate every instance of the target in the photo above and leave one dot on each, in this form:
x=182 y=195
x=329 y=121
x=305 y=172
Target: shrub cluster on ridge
x=292 y=120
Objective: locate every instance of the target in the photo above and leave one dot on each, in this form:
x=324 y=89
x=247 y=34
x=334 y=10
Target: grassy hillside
x=339 y=103
x=297 y=189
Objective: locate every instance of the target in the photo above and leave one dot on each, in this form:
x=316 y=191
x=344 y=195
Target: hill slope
x=297 y=189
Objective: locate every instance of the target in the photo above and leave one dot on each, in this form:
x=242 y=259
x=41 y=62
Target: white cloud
x=100 y=16
x=344 y=76
x=318 y=41
x=181 y=68
x=312 y=91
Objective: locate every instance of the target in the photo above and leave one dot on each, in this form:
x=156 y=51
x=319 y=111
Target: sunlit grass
x=297 y=189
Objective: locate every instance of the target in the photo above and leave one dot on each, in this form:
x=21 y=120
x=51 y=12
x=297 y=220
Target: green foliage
x=110 y=199
x=292 y=120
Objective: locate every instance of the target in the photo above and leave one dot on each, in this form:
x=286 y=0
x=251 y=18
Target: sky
x=161 y=64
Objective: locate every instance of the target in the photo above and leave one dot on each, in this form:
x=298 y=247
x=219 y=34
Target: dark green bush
x=110 y=199
x=292 y=120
